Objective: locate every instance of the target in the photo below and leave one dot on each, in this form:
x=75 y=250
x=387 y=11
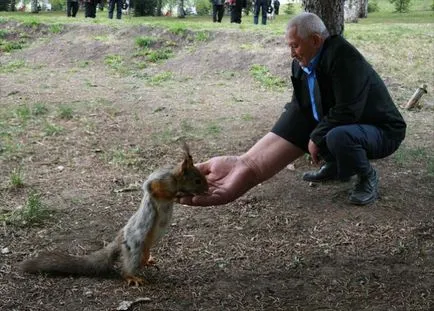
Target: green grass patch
x=406 y=156
x=145 y=41
x=32 y=23
x=160 y=78
x=12 y=66
x=103 y=38
x=213 y=129
x=51 y=129
x=130 y=157
x=114 y=61
x=23 y=113
x=178 y=29
x=160 y=54
x=265 y=78
x=65 y=112
x=3 y=33
x=16 y=178
x=34 y=212
x=56 y=28
x=202 y=36
x=8 y=46
x=39 y=109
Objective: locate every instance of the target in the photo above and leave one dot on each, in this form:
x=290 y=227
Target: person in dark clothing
x=276 y=5
x=341 y=112
x=118 y=4
x=260 y=5
x=90 y=8
x=218 y=9
x=71 y=8
x=236 y=10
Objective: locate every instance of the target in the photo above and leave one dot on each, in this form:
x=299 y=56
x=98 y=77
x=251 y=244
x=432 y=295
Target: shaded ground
x=97 y=125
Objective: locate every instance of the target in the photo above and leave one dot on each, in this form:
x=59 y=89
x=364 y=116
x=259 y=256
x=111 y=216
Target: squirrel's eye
x=198 y=181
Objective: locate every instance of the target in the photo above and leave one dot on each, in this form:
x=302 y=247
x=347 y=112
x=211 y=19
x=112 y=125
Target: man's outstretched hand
x=228 y=178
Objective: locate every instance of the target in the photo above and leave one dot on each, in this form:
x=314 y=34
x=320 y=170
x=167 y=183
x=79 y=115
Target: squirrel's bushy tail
x=96 y=263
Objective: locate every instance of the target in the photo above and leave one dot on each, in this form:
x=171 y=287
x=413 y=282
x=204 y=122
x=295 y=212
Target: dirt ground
x=282 y=246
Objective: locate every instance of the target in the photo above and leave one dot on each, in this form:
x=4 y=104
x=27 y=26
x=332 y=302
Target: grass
x=12 y=66
x=39 y=109
x=65 y=112
x=202 y=36
x=56 y=28
x=123 y=156
x=16 y=178
x=405 y=156
x=160 y=78
x=160 y=54
x=114 y=61
x=51 y=129
x=3 y=33
x=34 y=212
x=23 y=113
x=265 y=78
x=145 y=41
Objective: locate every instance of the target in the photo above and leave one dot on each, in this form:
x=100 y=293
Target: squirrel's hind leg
x=131 y=259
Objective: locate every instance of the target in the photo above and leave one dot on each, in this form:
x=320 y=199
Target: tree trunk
x=332 y=13
x=351 y=11
x=181 y=11
x=34 y=6
x=159 y=7
x=363 y=9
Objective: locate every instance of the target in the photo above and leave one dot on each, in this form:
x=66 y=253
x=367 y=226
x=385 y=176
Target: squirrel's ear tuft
x=188 y=160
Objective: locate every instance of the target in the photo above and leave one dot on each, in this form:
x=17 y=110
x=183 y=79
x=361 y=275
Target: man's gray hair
x=307 y=24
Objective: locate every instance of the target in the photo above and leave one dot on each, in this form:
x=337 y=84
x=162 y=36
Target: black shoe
x=327 y=172
x=365 y=190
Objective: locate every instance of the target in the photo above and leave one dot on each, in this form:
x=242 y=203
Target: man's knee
x=338 y=137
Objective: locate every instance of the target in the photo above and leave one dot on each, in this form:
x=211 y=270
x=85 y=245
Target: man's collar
x=313 y=62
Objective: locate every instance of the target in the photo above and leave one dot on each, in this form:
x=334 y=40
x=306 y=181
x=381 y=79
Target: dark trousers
x=260 y=5
x=217 y=12
x=90 y=8
x=236 y=14
x=118 y=4
x=351 y=146
x=71 y=8
x=276 y=9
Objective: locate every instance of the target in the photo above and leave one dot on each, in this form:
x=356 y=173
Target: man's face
x=303 y=50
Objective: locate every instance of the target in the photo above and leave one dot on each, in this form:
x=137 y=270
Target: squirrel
x=143 y=230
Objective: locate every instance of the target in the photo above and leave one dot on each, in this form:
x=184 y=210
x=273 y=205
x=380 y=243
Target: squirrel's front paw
x=150 y=262
x=133 y=280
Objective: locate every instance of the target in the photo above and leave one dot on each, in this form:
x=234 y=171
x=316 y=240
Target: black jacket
x=348 y=91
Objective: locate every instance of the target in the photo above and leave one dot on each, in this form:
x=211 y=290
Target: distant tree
x=373 y=6
x=355 y=9
x=289 y=8
x=34 y=6
x=181 y=11
x=145 y=7
x=159 y=7
x=331 y=12
x=401 y=6
x=363 y=8
x=5 y=5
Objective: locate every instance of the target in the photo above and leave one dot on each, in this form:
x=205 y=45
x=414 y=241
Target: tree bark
x=34 y=6
x=351 y=11
x=181 y=11
x=331 y=12
x=363 y=9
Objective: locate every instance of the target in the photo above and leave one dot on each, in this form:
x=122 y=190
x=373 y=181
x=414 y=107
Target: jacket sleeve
x=350 y=80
